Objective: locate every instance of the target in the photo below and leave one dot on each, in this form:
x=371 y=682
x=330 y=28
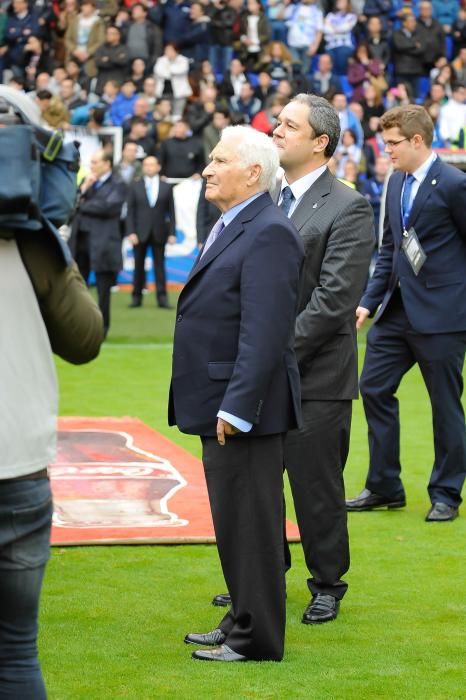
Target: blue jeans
x=25 y=520
x=220 y=57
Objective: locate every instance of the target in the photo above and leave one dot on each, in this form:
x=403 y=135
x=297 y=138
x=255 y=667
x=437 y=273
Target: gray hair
x=323 y=119
x=254 y=147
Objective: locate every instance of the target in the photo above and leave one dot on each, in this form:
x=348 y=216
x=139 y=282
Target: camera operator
x=44 y=308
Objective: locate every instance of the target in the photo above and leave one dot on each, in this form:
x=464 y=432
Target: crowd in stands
x=174 y=73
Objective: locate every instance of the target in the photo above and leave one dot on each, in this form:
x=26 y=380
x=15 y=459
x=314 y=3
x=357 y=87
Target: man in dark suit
x=96 y=228
x=336 y=226
x=420 y=284
x=150 y=221
x=235 y=383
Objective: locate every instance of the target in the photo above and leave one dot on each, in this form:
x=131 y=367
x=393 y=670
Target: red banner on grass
x=117 y=481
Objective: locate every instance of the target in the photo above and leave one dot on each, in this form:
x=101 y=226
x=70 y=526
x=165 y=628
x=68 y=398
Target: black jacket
x=145 y=220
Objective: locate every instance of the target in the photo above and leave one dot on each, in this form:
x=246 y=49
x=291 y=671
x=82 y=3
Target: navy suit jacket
x=434 y=301
x=234 y=334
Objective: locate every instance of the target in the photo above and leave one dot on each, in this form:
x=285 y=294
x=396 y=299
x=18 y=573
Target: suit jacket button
x=179 y=317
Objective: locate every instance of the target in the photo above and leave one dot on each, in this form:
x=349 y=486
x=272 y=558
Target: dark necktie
x=405 y=200
x=213 y=235
x=287 y=199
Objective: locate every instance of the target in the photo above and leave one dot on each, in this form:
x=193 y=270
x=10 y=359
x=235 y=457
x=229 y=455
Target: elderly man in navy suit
x=235 y=382
x=420 y=284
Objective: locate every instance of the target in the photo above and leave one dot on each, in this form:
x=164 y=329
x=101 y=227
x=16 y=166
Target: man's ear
x=254 y=175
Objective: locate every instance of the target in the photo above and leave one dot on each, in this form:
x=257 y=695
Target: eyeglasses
x=392 y=144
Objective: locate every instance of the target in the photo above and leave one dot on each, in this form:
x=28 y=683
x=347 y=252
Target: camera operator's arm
x=71 y=316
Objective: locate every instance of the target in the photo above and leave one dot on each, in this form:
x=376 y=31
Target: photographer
x=45 y=308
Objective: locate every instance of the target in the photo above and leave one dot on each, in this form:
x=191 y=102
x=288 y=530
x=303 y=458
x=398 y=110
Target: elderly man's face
x=228 y=182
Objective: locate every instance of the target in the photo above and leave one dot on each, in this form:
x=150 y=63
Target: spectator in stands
x=338 y=28
x=181 y=155
x=453 y=115
x=84 y=35
x=212 y=132
x=324 y=81
x=138 y=73
x=408 y=53
x=377 y=45
x=34 y=61
x=21 y=23
x=285 y=89
x=255 y=33
x=372 y=188
x=163 y=118
x=459 y=65
x=143 y=39
x=199 y=113
x=350 y=176
x=380 y=9
x=233 y=79
x=53 y=112
x=129 y=167
x=276 y=10
x=458 y=32
x=431 y=34
x=202 y=77
x=265 y=87
x=398 y=96
x=433 y=110
x=364 y=70
x=69 y=96
x=139 y=134
x=277 y=60
x=149 y=90
x=222 y=27
x=108 y=9
x=111 y=59
x=348 y=119
x=305 y=23
x=171 y=75
x=266 y=119
x=436 y=95
x=196 y=40
x=246 y=103
x=346 y=150
x=446 y=77
x=174 y=19
x=446 y=12
x=68 y=10
x=123 y=104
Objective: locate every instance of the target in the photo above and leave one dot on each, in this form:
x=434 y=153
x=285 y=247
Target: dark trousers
x=25 y=521
x=315 y=457
x=139 y=279
x=82 y=256
x=245 y=485
x=104 y=282
x=393 y=347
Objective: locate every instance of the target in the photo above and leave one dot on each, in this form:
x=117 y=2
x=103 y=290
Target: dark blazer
x=434 y=301
x=145 y=220
x=336 y=226
x=233 y=345
x=408 y=53
x=99 y=213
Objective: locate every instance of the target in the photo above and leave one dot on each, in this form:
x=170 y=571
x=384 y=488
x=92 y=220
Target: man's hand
x=224 y=429
x=171 y=240
x=133 y=238
x=361 y=315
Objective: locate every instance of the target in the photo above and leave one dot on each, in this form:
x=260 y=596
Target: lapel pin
x=315 y=205
x=434 y=182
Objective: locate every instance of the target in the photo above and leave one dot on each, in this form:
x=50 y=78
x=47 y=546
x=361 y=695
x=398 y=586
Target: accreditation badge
x=413 y=250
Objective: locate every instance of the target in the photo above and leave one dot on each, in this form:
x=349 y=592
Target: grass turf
x=113 y=618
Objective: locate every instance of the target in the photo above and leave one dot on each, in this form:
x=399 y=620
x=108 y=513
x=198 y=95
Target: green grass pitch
x=113 y=618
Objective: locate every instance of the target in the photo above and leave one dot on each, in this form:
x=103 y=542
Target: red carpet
x=118 y=481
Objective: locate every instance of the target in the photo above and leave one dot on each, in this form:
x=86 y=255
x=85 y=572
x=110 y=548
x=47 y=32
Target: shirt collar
x=229 y=215
x=104 y=178
x=299 y=187
x=422 y=171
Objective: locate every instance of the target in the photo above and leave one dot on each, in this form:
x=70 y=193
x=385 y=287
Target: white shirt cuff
x=239 y=423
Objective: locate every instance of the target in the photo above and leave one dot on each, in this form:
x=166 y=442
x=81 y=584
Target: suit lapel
x=430 y=181
x=312 y=200
x=228 y=235
x=394 y=203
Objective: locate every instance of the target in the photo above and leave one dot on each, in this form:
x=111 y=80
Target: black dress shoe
x=368 y=500
x=222 y=653
x=210 y=639
x=222 y=600
x=441 y=512
x=136 y=303
x=322 y=608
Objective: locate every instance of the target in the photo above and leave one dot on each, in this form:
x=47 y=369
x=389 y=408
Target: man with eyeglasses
x=418 y=287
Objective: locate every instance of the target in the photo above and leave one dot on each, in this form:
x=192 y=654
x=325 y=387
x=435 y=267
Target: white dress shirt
x=301 y=186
